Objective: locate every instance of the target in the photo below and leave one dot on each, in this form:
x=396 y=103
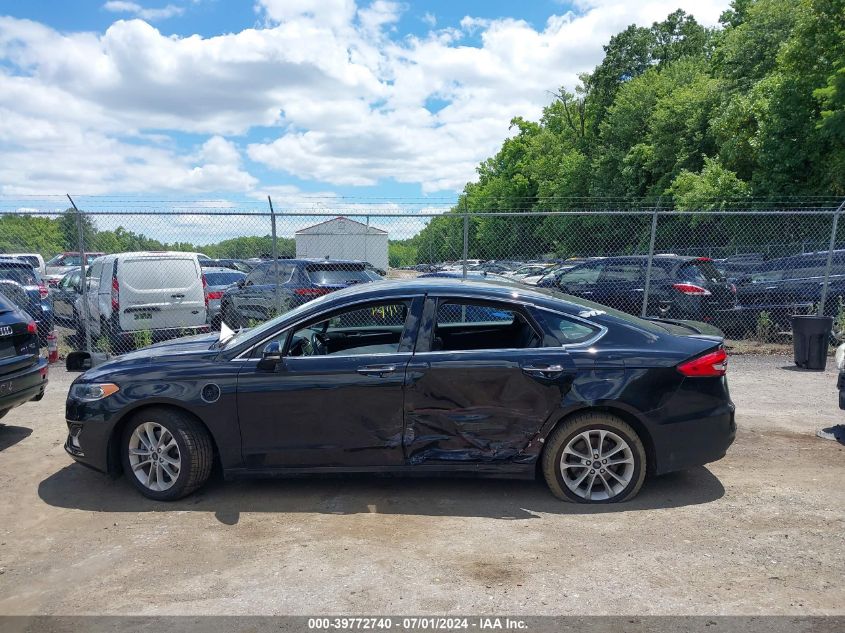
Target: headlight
x=89 y=392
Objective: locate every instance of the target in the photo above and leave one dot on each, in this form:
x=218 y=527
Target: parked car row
x=170 y=294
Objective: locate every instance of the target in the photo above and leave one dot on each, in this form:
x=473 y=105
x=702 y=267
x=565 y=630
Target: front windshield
x=268 y=326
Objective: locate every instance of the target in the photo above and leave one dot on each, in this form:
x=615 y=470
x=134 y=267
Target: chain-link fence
x=158 y=270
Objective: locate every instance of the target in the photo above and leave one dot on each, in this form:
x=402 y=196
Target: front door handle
x=544 y=371
x=376 y=370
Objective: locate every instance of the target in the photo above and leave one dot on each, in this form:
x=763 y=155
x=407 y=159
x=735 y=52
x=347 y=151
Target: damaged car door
x=480 y=384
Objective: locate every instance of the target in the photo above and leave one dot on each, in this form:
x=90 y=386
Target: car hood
x=189 y=347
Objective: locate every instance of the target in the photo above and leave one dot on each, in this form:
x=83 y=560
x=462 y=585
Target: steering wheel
x=320 y=344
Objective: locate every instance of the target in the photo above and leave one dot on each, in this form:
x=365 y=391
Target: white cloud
x=343 y=96
x=122 y=6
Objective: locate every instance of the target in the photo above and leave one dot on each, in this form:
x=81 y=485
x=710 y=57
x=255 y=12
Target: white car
x=529 y=270
x=162 y=293
x=34 y=259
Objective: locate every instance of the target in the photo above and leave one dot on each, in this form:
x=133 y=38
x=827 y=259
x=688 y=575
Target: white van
x=162 y=293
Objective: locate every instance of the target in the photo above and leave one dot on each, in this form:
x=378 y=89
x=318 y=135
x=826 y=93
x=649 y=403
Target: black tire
x=195 y=450
x=4 y=412
x=565 y=432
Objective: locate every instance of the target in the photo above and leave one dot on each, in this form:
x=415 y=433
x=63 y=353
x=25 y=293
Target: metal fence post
x=86 y=310
x=275 y=254
x=466 y=241
x=829 y=263
x=367 y=241
x=647 y=286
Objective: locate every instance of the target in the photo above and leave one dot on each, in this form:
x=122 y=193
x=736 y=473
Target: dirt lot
x=758 y=532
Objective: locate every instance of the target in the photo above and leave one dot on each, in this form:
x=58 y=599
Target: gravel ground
x=758 y=532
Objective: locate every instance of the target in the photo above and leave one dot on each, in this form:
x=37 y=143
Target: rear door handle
x=545 y=371
x=376 y=370
x=177 y=296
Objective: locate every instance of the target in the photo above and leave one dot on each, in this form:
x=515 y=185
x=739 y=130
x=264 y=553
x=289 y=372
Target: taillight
x=205 y=290
x=42 y=290
x=115 y=295
x=711 y=364
x=214 y=294
x=691 y=289
x=311 y=292
x=32 y=328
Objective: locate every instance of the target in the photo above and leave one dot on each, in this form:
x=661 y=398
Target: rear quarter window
x=567 y=330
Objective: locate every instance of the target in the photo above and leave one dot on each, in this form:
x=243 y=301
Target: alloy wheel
x=154 y=456
x=597 y=465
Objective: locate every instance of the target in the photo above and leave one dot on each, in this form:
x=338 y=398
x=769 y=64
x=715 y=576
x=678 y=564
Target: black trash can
x=810 y=340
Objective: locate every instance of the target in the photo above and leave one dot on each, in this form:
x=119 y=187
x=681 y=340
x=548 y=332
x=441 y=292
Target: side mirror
x=271 y=356
x=83 y=361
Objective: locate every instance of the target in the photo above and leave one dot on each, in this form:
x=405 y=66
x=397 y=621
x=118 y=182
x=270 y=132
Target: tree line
x=750 y=114
x=49 y=236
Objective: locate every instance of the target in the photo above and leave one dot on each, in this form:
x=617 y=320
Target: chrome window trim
x=244 y=355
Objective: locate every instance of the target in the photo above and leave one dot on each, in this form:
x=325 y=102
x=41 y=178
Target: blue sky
x=220 y=99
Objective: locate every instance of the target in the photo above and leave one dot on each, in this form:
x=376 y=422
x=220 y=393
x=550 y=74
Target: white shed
x=342 y=238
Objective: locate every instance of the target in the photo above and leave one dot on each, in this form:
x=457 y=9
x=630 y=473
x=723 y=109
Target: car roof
x=468 y=288
x=221 y=269
x=312 y=260
x=143 y=254
x=6 y=261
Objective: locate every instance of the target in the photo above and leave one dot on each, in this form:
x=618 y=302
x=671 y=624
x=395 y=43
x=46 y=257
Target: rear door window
x=622 y=271
x=469 y=325
x=584 y=274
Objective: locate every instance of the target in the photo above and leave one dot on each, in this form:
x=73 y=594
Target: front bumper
x=90 y=426
x=24 y=385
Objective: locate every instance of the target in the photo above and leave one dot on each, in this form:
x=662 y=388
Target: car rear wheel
x=594 y=458
x=166 y=454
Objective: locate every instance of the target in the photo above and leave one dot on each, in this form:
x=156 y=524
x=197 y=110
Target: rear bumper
x=24 y=385
x=694 y=443
x=695 y=426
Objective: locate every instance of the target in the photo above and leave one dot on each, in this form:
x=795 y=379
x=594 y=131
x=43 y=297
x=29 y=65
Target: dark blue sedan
x=423 y=376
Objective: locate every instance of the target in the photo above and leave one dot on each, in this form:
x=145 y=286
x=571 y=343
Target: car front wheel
x=594 y=458
x=166 y=453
